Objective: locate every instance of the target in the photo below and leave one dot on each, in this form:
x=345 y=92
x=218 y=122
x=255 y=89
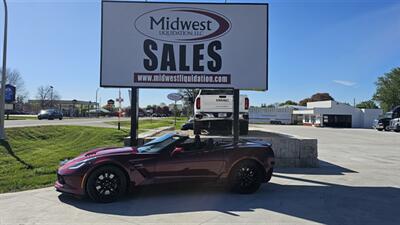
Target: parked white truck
x=213 y=112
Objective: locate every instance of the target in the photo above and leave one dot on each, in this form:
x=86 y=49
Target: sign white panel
x=147 y=44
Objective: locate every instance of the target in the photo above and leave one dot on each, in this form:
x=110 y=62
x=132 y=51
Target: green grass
x=148 y=124
x=44 y=147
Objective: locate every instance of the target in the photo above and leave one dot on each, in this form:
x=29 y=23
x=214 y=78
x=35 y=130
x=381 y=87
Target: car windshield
x=388 y=115
x=158 y=144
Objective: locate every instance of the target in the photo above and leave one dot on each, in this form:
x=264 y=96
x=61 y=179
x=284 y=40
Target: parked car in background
x=188 y=125
x=395 y=125
x=383 y=123
x=50 y=114
x=213 y=112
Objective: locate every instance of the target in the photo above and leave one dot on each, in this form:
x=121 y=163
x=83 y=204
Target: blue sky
x=340 y=47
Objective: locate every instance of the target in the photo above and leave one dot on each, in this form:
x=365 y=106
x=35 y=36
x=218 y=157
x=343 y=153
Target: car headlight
x=81 y=163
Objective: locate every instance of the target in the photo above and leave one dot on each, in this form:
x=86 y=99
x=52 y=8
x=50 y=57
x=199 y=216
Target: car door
x=190 y=164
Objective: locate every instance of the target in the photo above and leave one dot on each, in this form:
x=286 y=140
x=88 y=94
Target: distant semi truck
x=213 y=112
x=389 y=120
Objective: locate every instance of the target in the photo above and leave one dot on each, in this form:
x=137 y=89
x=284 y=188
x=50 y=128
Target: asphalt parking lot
x=357 y=183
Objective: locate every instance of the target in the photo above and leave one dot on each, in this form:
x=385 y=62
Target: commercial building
x=335 y=114
x=275 y=115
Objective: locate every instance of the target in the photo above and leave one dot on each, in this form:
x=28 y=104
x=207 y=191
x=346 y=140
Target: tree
x=316 y=98
x=14 y=77
x=304 y=101
x=288 y=102
x=159 y=110
x=370 y=104
x=47 y=95
x=388 y=89
x=189 y=96
x=165 y=110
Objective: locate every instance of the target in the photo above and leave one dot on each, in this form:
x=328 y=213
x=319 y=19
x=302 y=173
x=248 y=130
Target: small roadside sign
x=175 y=96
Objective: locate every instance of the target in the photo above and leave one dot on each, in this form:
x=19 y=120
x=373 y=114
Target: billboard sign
x=10 y=92
x=184 y=45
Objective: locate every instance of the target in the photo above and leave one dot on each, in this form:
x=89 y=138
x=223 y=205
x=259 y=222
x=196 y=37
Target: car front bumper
x=71 y=184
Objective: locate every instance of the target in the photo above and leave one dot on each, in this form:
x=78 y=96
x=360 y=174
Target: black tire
x=269 y=175
x=387 y=128
x=245 y=177
x=60 y=118
x=244 y=128
x=196 y=128
x=106 y=184
x=379 y=129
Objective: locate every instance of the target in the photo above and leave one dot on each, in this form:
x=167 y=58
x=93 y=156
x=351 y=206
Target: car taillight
x=198 y=103
x=246 y=103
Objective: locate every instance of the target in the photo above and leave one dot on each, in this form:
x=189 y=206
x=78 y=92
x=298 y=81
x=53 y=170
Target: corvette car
x=105 y=174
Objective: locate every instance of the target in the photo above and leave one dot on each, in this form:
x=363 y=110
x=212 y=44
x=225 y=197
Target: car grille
x=60 y=179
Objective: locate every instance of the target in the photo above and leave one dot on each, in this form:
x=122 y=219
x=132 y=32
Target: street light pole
x=3 y=75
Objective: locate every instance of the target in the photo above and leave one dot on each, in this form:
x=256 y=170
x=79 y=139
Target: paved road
x=79 y=122
x=358 y=183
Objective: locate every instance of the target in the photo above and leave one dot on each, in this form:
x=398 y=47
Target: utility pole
x=3 y=75
x=51 y=96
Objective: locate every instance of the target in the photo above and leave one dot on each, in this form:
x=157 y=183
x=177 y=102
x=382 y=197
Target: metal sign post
x=235 y=125
x=134 y=116
x=175 y=113
x=119 y=100
x=3 y=74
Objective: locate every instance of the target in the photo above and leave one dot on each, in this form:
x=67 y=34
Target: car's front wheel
x=245 y=177
x=106 y=184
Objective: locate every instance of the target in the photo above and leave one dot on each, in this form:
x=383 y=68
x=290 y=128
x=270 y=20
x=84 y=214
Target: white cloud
x=345 y=82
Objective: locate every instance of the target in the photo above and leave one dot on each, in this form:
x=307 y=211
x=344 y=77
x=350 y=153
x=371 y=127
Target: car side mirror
x=177 y=151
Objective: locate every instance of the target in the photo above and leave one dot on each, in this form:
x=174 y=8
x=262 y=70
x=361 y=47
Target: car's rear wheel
x=106 y=184
x=269 y=175
x=379 y=129
x=245 y=177
x=387 y=128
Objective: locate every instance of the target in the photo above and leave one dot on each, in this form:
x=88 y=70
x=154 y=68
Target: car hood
x=109 y=151
x=98 y=152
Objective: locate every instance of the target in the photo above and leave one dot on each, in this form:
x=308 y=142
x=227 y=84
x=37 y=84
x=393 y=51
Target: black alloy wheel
x=106 y=184
x=245 y=178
